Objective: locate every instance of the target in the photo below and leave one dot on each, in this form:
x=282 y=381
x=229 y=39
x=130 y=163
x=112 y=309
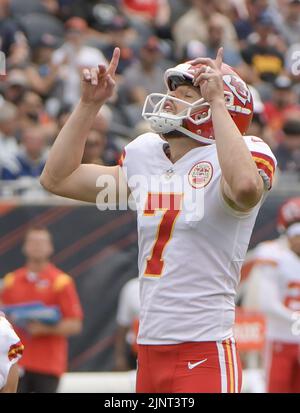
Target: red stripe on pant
x=197 y=367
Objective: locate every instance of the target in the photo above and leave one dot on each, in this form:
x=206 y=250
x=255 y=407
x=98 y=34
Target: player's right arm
x=64 y=174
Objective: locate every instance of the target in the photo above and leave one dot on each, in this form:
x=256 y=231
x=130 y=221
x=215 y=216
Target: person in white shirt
x=127 y=326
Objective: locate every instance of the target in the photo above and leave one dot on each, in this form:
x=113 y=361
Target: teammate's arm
x=121 y=362
x=63 y=173
x=242 y=185
x=66 y=328
x=269 y=294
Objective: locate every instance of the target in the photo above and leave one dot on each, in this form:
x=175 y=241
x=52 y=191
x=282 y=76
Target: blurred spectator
x=110 y=151
x=31 y=113
x=73 y=56
x=63 y=115
x=119 y=36
x=290 y=24
x=30 y=159
x=127 y=322
x=283 y=102
x=45 y=358
x=288 y=151
x=8 y=142
x=12 y=40
x=144 y=76
x=263 y=50
x=259 y=126
x=94 y=151
x=154 y=12
x=246 y=21
x=216 y=38
x=15 y=86
x=20 y=8
x=42 y=74
x=193 y=25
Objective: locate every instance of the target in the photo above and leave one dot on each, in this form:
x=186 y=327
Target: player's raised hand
x=98 y=83
x=208 y=76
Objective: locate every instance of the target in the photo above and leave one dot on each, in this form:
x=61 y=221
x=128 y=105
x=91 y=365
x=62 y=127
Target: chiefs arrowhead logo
x=238 y=88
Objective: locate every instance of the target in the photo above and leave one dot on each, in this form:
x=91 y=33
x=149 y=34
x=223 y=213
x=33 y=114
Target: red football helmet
x=195 y=121
x=289 y=213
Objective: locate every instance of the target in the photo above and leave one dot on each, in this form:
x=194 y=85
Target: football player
x=273 y=287
x=197 y=183
x=11 y=350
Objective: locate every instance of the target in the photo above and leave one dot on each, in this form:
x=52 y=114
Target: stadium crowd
x=47 y=43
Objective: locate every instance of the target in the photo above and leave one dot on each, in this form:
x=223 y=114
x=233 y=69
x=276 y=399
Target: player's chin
x=173 y=134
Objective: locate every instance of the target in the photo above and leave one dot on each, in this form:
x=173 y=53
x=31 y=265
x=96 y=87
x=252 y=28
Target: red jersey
x=275 y=118
x=146 y=7
x=43 y=354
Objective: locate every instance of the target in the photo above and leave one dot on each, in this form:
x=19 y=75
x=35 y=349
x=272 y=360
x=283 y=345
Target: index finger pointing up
x=114 y=62
x=219 y=58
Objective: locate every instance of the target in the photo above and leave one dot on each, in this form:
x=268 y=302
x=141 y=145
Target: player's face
x=38 y=246
x=186 y=93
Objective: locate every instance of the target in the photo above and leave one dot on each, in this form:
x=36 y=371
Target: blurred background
x=46 y=44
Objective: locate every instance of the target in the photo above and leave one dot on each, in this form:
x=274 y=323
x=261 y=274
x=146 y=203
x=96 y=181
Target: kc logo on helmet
x=238 y=88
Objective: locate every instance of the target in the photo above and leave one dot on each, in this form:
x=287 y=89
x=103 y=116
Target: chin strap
x=162 y=125
x=194 y=136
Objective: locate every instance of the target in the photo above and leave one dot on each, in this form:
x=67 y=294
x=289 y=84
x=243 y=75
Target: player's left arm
x=241 y=184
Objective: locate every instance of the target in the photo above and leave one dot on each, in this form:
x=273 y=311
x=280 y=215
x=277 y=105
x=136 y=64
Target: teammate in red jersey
x=45 y=358
x=274 y=288
x=197 y=184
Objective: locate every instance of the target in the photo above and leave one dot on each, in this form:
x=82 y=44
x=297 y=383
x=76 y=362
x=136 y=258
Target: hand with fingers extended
x=208 y=76
x=98 y=83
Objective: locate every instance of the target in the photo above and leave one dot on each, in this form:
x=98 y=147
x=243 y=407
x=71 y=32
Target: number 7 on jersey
x=170 y=204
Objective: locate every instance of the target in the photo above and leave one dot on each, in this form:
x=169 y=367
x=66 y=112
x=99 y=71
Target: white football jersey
x=191 y=243
x=277 y=274
x=10 y=349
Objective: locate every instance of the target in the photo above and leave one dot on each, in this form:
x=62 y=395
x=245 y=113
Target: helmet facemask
x=163 y=121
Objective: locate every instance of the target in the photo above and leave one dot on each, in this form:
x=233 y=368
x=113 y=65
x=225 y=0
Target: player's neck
x=180 y=146
x=36 y=265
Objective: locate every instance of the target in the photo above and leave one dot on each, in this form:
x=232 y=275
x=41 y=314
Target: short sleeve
x=264 y=159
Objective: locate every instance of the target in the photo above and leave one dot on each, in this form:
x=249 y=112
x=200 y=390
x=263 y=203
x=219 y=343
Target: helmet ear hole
x=198 y=116
x=227 y=99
